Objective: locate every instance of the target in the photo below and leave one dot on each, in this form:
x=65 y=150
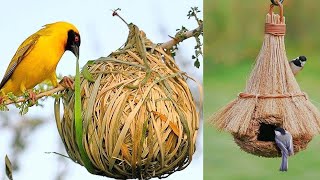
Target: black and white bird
x=284 y=141
x=297 y=64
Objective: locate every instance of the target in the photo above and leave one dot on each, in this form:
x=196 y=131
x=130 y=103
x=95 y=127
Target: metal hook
x=274 y=2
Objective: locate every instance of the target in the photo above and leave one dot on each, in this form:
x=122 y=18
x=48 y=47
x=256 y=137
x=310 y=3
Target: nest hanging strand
x=272 y=97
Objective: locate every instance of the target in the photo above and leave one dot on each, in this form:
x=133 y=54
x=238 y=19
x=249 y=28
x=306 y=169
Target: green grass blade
x=78 y=122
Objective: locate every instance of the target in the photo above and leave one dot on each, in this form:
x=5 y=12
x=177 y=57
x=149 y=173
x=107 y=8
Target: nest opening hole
x=266 y=132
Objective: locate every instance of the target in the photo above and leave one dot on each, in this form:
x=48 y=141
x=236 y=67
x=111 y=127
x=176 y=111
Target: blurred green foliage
x=234 y=32
x=234 y=29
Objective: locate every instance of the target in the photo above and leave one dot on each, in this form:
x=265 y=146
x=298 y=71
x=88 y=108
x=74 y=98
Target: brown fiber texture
x=272 y=97
x=139 y=116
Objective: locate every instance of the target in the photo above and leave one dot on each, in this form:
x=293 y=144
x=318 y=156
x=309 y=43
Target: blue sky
x=100 y=34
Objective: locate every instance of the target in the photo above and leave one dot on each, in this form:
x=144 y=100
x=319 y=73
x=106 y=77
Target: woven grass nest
x=272 y=98
x=140 y=119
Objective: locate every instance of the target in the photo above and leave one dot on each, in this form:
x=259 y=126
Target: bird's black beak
x=75 y=50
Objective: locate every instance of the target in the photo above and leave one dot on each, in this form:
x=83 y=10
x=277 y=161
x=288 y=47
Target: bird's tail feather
x=284 y=163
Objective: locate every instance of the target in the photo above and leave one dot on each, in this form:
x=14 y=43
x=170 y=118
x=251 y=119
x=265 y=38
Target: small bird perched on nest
x=284 y=141
x=297 y=64
x=37 y=58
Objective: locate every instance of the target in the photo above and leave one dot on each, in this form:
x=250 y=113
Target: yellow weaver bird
x=37 y=58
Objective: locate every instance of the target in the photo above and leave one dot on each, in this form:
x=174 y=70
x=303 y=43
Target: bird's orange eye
x=76 y=39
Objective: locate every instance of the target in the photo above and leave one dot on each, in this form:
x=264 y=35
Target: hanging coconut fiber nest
x=272 y=98
x=139 y=118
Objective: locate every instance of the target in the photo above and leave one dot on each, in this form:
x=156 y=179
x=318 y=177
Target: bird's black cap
x=281 y=130
x=302 y=58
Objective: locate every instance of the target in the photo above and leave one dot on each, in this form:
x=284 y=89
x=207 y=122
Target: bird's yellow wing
x=23 y=50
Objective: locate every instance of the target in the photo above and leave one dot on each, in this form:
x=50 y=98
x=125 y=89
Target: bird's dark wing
x=282 y=146
x=289 y=144
x=23 y=50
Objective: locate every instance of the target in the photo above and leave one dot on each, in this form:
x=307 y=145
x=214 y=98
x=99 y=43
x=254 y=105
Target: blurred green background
x=234 y=32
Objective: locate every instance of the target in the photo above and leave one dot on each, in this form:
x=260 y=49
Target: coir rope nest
x=139 y=116
x=272 y=98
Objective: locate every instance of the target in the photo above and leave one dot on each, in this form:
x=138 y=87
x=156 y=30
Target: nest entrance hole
x=266 y=132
